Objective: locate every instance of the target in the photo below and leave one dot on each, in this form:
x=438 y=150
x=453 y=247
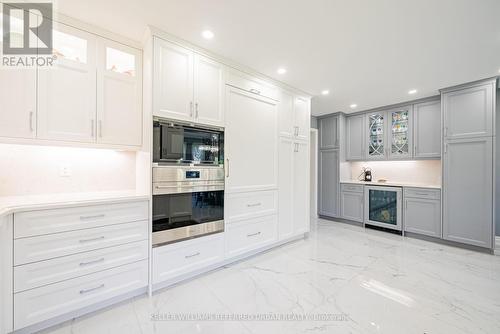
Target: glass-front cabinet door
x=376 y=136
x=399 y=133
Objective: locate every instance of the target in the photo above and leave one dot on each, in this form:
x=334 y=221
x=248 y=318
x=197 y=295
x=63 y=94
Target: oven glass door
x=383 y=206
x=179 y=210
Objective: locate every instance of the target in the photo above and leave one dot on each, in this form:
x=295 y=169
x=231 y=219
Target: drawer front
x=180 y=258
x=41 y=273
x=45 y=247
x=41 y=222
x=249 y=235
x=422 y=193
x=52 y=300
x=356 y=188
x=251 y=84
x=241 y=206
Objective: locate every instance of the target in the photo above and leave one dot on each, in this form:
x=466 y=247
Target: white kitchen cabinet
x=252 y=142
x=294 y=116
x=173 y=81
x=468 y=191
x=356 y=133
x=285 y=114
x=427 y=130
x=67 y=90
x=247 y=236
x=352 y=202
x=119 y=94
x=422 y=215
x=285 y=184
x=18 y=98
x=468 y=112
x=329 y=183
x=187 y=86
x=329 y=132
x=208 y=91
x=301 y=163
x=302 y=117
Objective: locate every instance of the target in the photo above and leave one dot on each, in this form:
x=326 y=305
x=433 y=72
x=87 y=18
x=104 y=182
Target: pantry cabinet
x=329 y=132
x=427 y=130
x=294 y=116
x=187 y=86
x=355 y=135
x=329 y=177
x=301 y=190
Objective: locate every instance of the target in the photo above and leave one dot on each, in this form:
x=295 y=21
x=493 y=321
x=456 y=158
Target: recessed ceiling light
x=353 y=106
x=412 y=91
x=281 y=70
x=207 y=34
x=325 y=92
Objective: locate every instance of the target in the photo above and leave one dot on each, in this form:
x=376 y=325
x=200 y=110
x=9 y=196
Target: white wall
x=418 y=171
x=26 y=170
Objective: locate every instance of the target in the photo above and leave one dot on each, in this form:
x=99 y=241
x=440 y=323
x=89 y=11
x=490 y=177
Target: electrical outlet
x=65 y=171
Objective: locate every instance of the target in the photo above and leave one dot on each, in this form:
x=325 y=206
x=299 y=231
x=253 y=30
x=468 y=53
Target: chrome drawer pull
x=92 y=289
x=93 y=239
x=254 y=205
x=422 y=194
x=192 y=255
x=91 y=262
x=92 y=217
x=253 y=234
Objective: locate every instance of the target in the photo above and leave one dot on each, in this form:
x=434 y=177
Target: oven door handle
x=227 y=167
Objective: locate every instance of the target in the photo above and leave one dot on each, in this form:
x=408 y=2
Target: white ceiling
x=364 y=51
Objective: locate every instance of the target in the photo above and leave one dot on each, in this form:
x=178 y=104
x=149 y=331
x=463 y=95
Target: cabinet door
x=356 y=137
x=400 y=133
x=208 y=91
x=302 y=118
x=285 y=185
x=328 y=183
x=251 y=141
x=285 y=115
x=376 y=136
x=469 y=112
x=173 y=81
x=351 y=204
x=328 y=132
x=119 y=92
x=301 y=163
x=67 y=90
x=427 y=130
x=468 y=191
x=423 y=216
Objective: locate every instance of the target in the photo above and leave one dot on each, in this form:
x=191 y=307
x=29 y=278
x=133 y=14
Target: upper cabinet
x=355 y=143
x=187 y=86
x=468 y=113
x=294 y=114
x=400 y=133
x=427 y=130
x=377 y=136
x=329 y=132
x=302 y=117
x=67 y=90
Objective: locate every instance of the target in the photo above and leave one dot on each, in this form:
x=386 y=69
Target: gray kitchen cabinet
x=329 y=183
x=399 y=132
x=355 y=137
x=468 y=191
x=377 y=136
x=468 y=112
x=427 y=129
x=422 y=211
x=352 y=202
x=329 y=132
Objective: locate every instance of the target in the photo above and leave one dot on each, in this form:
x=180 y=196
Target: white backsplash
x=30 y=170
x=415 y=171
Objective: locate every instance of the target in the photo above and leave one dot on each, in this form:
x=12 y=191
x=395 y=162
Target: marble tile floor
x=369 y=281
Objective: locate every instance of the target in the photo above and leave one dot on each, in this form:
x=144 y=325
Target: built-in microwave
x=176 y=143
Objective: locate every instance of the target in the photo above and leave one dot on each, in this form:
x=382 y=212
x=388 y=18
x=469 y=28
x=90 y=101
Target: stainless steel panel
x=171 y=180
x=188 y=232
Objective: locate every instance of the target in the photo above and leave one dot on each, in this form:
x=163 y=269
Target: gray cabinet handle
x=196 y=109
x=31 y=121
x=254 y=205
x=92 y=124
x=92 y=217
x=93 y=239
x=191 y=109
x=82 y=264
x=446 y=131
x=253 y=234
x=192 y=255
x=445 y=148
x=82 y=292
x=227 y=167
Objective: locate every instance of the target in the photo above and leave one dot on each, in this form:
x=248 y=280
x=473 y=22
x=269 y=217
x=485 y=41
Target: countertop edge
x=393 y=184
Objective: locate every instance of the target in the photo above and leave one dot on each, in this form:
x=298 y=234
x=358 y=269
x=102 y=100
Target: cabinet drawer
x=422 y=193
x=46 y=247
x=249 y=235
x=356 y=188
x=53 y=300
x=180 y=258
x=253 y=85
x=41 y=222
x=41 y=273
x=240 y=206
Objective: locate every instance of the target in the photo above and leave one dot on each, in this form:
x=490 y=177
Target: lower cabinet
x=352 y=202
x=422 y=212
x=246 y=236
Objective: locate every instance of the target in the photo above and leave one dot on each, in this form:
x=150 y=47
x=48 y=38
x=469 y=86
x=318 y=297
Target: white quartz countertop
x=10 y=204
x=394 y=184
